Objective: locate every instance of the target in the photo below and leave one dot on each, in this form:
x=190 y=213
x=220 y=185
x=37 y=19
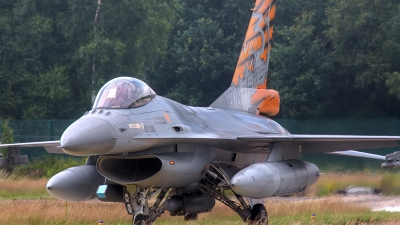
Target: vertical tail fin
x=248 y=88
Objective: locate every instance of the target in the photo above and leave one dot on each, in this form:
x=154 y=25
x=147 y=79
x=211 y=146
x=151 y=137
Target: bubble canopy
x=123 y=93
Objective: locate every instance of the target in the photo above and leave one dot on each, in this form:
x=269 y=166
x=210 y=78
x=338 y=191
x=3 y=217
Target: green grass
x=23 y=189
x=21 y=195
x=324 y=219
x=42 y=209
x=54 y=212
x=337 y=218
x=331 y=183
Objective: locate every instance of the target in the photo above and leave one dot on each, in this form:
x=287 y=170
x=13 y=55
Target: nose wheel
x=139 y=219
x=137 y=204
x=259 y=215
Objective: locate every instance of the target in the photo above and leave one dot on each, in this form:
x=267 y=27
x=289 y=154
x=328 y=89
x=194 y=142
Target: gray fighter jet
x=142 y=146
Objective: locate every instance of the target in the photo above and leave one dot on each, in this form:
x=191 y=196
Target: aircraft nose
x=88 y=136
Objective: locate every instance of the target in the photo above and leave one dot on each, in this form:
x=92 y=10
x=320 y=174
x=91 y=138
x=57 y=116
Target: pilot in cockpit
x=123 y=93
x=120 y=94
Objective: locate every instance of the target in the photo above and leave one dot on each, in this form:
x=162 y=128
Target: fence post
x=51 y=129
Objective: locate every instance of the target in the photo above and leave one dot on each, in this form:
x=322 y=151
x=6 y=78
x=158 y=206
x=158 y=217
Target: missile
x=262 y=180
x=75 y=184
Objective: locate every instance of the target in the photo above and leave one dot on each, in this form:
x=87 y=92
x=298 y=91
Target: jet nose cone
x=88 y=136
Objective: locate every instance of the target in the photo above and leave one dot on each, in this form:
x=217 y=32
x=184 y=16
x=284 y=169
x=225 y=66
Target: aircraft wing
x=14 y=157
x=316 y=138
x=309 y=143
x=326 y=143
x=358 y=154
x=392 y=160
x=50 y=146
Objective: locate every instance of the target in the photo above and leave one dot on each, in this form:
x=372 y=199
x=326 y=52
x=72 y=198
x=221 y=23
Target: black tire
x=190 y=217
x=139 y=219
x=259 y=215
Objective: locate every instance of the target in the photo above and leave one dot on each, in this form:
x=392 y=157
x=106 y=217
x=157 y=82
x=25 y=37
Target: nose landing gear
x=139 y=219
x=138 y=204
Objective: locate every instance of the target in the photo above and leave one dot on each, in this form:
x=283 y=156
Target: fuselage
x=162 y=122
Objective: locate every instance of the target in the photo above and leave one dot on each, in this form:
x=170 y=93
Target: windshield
x=123 y=93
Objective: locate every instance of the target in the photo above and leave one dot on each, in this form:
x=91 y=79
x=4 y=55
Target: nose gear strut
x=137 y=204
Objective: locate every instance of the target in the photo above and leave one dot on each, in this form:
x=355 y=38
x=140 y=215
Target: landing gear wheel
x=139 y=219
x=259 y=215
x=190 y=217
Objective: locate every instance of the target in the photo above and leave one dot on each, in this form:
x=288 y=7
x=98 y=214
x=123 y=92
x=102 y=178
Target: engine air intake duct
x=163 y=170
x=263 y=180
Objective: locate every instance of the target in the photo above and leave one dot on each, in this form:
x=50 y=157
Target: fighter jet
x=141 y=145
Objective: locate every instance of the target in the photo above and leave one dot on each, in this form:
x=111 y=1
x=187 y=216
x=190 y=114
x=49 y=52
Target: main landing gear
x=259 y=215
x=214 y=184
x=190 y=217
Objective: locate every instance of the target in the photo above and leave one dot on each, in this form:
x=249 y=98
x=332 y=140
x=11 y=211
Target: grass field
x=26 y=201
x=329 y=210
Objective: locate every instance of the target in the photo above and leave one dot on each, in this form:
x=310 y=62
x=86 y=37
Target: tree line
x=330 y=58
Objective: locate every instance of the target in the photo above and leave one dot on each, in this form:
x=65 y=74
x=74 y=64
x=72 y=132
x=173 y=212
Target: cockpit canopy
x=123 y=93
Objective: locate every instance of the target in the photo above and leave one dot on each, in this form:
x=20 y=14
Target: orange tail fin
x=248 y=89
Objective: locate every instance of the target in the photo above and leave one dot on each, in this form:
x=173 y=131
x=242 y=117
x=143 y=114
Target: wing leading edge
x=13 y=155
x=358 y=154
x=392 y=160
x=326 y=143
x=50 y=146
x=316 y=138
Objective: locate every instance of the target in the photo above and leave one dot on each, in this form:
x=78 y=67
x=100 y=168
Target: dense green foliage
x=339 y=59
x=330 y=58
x=42 y=166
x=6 y=136
x=202 y=52
x=48 y=50
x=47 y=166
